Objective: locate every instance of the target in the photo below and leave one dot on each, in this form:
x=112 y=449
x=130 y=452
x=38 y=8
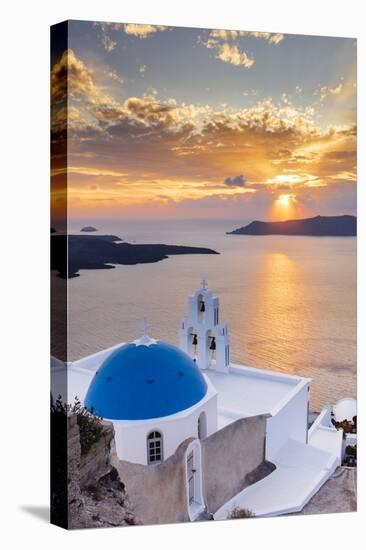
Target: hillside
x=106 y=251
x=319 y=226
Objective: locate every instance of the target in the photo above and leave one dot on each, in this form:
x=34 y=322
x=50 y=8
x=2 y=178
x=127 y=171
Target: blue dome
x=138 y=382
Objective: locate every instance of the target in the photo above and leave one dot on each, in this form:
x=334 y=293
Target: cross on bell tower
x=202 y=336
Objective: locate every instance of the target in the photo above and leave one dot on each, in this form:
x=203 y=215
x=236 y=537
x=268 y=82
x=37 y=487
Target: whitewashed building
x=158 y=395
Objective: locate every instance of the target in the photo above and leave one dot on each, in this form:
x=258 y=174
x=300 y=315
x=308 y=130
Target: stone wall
x=157 y=492
x=233 y=458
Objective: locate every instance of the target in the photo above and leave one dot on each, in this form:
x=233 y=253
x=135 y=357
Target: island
x=106 y=251
x=88 y=229
x=319 y=226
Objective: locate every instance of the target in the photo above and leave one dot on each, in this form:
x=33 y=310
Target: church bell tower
x=202 y=336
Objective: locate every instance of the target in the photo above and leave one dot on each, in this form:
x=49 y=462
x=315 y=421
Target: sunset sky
x=192 y=123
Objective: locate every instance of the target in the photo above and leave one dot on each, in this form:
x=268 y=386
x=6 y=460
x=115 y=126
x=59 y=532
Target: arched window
x=154 y=448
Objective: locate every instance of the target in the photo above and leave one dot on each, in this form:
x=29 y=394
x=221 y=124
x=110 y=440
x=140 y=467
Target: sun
x=284 y=207
x=284 y=200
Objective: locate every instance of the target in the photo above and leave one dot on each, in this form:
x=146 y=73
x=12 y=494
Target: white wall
x=324 y=418
x=289 y=421
x=131 y=435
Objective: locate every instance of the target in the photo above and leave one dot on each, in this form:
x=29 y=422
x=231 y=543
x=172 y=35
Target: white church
x=159 y=396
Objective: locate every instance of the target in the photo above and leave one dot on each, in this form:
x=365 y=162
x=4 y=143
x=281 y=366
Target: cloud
x=113 y=75
x=326 y=91
x=142 y=69
x=71 y=75
x=226 y=43
x=237 y=181
x=276 y=38
x=230 y=53
x=221 y=34
x=143 y=31
x=105 y=30
x=108 y=43
x=224 y=34
x=108 y=32
x=272 y=38
x=279 y=146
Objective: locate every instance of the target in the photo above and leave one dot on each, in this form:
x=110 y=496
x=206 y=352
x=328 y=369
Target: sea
x=289 y=301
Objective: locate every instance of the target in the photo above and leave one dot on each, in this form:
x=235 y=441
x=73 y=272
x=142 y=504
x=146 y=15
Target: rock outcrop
x=96 y=495
x=70 y=253
x=88 y=229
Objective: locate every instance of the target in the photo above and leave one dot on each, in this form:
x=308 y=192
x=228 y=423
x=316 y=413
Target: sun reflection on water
x=280 y=301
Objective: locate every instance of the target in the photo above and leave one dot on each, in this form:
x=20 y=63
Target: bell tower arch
x=202 y=335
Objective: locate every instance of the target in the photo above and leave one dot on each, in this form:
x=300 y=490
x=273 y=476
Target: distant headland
x=102 y=251
x=319 y=226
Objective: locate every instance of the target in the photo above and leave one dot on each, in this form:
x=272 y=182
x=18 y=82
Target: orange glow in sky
x=286 y=207
x=284 y=200
x=144 y=143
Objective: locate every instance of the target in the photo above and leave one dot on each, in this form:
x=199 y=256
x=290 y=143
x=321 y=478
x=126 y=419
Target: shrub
x=239 y=513
x=90 y=425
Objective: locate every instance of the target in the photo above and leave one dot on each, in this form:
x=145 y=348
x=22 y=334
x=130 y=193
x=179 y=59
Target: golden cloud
x=326 y=91
x=273 y=38
x=231 y=54
x=108 y=43
x=225 y=43
x=144 y=148
x=71 y=75
x=107 y=30
x=228 y=51
x=142 y=31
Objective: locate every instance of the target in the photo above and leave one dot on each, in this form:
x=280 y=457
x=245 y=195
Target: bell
x=194 y=341
x=202 y=306
x=213 y=343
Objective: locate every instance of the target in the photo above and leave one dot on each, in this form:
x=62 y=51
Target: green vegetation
x=90 y=425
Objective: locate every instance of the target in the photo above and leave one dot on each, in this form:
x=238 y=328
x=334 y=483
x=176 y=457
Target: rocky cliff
x=96 y=495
